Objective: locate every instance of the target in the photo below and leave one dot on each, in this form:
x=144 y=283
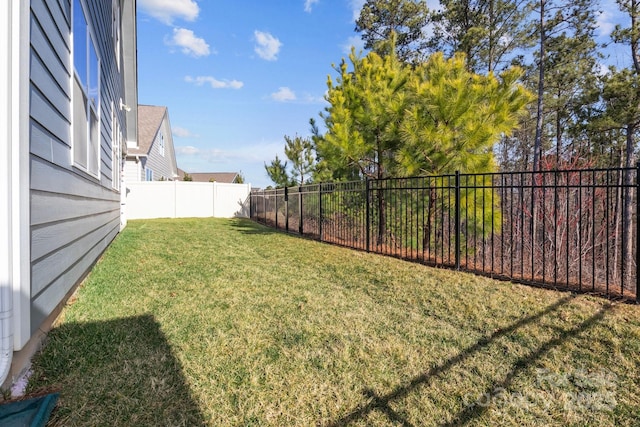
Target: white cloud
x=257 y=153
x=353 y=41
x=604 y=23
x=602 y=69
x=215 y=83
x=167 y=10
x=310 y=99
x=188 y=42
x=182 y=132
x=268 y=46
x=308 y=5
x=283 y=94
x=356 y=7
x=187 y=150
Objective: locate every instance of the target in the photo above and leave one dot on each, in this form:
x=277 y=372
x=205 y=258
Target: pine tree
x=405 y=18
x=366 y=106
x=571 y=69
x=624 y=88
x=489 y=32
x=278 y=174
x=390 y=119
x=301 y=154
x=566 y=63
x=455 y=117
x=631 y=34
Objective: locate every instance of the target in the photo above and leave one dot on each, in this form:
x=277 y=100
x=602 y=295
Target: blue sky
x=239 y=75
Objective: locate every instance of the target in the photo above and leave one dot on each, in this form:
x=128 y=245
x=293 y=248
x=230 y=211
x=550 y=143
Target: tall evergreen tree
x=624 y=88
x=301 y=154
x=455 y=117
x=630 y=35
x=277 y=171
x=623 y=100
x=389 y=119
x=362 y=121
x=571 y=70
x=405 y=18
x=565 y=62
x=489 y=32
x=367 y=102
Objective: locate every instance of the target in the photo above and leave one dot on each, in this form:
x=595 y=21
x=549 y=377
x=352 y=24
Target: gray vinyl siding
x=162 y=166
x=74 y=216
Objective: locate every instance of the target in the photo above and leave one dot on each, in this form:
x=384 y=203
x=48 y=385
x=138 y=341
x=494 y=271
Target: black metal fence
x=567 y=229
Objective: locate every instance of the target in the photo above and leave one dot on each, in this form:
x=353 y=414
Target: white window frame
x=116 y=144
x=93 y=101
x=148 y=174
x=161 y=145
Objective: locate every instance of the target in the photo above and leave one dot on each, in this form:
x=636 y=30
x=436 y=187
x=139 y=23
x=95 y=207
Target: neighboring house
x=68 y=106
x=154 y=158
x=221 y=177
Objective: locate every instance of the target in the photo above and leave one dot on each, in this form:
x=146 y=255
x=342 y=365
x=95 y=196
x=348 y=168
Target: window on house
x=148 y=174
x=116 y=161
x=86 y=95
x=116 y=31
x=161 y=145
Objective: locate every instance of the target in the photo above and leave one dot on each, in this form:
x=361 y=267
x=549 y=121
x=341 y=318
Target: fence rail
x=567 y=229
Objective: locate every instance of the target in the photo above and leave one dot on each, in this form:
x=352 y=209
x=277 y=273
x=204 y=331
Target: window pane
x=94 y=144
x=94 y=74
x=80 y=42
x=116 y=31
x=79 y=125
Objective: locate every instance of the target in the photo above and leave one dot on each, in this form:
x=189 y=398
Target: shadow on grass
x=248 y=226
x=118 y=372
x=382 y=403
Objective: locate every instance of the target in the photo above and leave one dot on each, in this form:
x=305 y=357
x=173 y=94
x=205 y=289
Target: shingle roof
x=223 y=177
x=149 y=121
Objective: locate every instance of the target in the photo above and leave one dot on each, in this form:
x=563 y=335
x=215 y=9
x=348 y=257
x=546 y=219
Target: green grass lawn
x=225 y=322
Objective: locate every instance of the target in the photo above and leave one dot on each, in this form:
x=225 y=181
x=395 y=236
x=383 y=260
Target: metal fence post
x=286 y=209
x=320 y=211
x=367 y=213
x=457 y=220
x=275 y=192
x=300 y=227
x=637 y=233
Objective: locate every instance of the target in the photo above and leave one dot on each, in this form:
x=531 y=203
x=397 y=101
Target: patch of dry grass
x=225 y=322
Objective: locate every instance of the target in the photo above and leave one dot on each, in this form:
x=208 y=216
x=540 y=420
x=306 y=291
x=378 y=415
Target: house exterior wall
x=163 y=165
x=74 y=215
x=133 y=170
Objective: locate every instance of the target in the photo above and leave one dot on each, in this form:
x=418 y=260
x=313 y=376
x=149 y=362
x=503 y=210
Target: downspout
x=9 y=24
x=6 y=340
x=14 y=181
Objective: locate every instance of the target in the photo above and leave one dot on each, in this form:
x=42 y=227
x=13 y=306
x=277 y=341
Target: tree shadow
x=248 y=226
x=382 y=403
x=118 y=372
x=471 y=412
x=244 y=207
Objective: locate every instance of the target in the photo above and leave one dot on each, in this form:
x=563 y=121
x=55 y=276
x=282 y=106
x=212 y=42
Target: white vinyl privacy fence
x=179 y=199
